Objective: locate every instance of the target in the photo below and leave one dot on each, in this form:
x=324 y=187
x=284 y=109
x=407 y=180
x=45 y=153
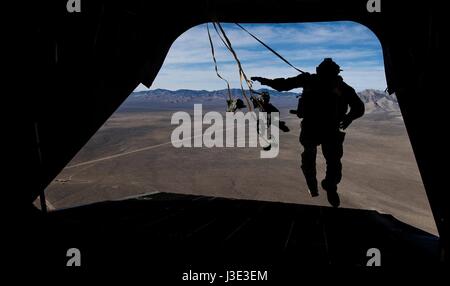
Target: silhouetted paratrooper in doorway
x=326 y=106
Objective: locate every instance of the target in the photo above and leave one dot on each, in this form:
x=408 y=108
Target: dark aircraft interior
x=100 y=55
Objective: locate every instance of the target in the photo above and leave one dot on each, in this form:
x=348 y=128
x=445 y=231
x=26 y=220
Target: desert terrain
x=132 y=155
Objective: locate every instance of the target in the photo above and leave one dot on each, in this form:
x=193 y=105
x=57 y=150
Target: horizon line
x=375 y=89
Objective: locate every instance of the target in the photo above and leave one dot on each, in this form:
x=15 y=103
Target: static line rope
x=227 y=44
x=270 y=49
x=226 y=41
x=215 y=62
x=242 y=75
x=229 y=49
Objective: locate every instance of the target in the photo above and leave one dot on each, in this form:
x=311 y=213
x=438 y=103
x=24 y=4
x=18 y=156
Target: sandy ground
x=132 y=154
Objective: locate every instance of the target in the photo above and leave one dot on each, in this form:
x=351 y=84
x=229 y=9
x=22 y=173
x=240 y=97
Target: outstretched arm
x=284 y=84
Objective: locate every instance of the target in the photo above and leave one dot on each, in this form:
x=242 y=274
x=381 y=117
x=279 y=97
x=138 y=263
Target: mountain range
x=376 y=101
x=186 y=95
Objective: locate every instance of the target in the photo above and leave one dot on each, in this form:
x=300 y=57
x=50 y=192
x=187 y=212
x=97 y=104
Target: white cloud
x=310 y=33
x=189 y=63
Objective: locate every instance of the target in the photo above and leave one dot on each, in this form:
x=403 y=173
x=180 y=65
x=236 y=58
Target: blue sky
x=355 y=48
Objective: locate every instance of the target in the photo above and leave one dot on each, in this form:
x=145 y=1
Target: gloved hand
x=283 y=127
x=262 y=80
x=345 y=123
x=296 y=112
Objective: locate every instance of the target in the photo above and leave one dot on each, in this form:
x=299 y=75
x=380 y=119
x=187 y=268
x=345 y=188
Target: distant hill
x=379 y=101
x=186 y=95
x=376 y=101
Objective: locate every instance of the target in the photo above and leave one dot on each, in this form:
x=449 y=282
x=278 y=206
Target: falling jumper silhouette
x=326 y=106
